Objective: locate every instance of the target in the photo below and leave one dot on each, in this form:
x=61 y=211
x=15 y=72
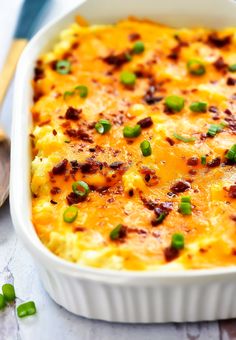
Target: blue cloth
x=29 y=16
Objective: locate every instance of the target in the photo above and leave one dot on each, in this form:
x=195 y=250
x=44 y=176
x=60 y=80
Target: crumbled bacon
x=193 y=161
x=213 y=109
x=116 y=165
x=217 y=41
x=231 y=123
x=145 y=122
x=232 y=191
x=134 y=36
x=53 y=202
x=170 y=141
x=73 y=198
x=231 y=81
x=72 y=113
x=74 y=166
x=214 y=162
x=38 y=73
x=116 y=60
x=55 y=190
x=79 y=134
x=60 y=168
x=91 y=166
x=170 y=253
x=150 y=99
x=180 y=186
x=220 y=64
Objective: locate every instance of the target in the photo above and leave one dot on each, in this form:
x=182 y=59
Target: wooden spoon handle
x=9 y=67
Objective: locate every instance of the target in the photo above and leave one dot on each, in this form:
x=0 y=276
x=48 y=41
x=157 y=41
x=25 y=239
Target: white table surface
x=16 y=265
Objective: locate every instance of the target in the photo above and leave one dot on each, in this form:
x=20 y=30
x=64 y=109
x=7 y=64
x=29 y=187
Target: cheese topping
x=134 y=147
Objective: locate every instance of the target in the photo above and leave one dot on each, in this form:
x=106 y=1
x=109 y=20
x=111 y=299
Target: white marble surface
x=16 y=265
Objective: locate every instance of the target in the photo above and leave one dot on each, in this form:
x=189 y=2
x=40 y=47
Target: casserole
x=125 y=297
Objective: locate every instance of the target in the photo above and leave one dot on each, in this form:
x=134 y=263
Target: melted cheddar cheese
x=141 y=195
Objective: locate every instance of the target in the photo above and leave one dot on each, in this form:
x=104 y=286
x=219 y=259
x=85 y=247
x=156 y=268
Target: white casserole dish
x=179 y=296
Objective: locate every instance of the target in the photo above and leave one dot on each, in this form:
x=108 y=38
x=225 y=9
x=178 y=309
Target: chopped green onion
x=8 y=291
x=2 y=302
x=132 y=132
x=127 y=78
x=138 y=47
x=184 y=139
x=81 y=184
x=203 y=160
x=103 y=126
x=232 y=68
x=198 y=107
x=214 y=129
x=175 y=103
x=186 y=199
x=68 y=94
x=63 y=66
x=115 y=233
x=185 y=207
x=26 y=309
x=231 y=154
x=146 y=149
x=70 y=214
x=160 y=218
x=83 y=90
x=177 y=241
x=128 y=56
x=196 y=67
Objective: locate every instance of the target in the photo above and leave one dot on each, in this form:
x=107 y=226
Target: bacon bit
x=134 y=36
x=74 y=166
x=203 y=250
x=32 y=135
x=139 y=231
x=145 y=122
x=116 y=60
x=38 y=73
x=73 y=198
x=171 y=253
x=91 y=166
x=79 y=134
x=60 y=168
x=170 y=141
x=72 y=113
x=228 y=112
x=192 y=172
x=220 y=64
x=45 y=122
x=214 y=162
x=193 y=161
x=116 y=165
x=78 y=228
x=233 y=217
x=231 y=81
x=54 y=132
x=213 y=109
x=149 y=203
x=53 y=202
x=149 y=175
x=231 y=123
x=232 y=191
x=55 y=190
x=131 y=193
x=217 y=41
x=180 y=186
x=150 y=99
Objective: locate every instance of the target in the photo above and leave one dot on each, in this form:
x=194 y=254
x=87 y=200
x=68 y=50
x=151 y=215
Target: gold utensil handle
x=9 y=67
